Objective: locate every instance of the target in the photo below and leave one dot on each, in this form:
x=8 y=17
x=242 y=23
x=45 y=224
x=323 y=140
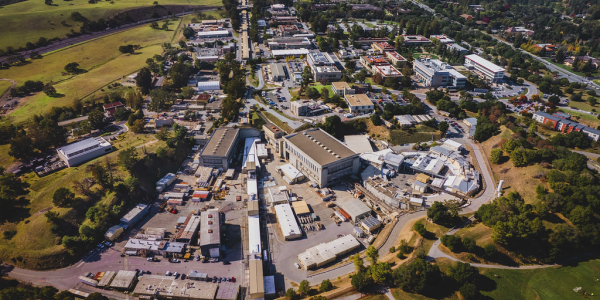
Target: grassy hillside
x=29 y=20
x=102 y=60
x=34 y=245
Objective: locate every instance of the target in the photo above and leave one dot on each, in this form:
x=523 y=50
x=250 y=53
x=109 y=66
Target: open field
x=5 y=159
x=102 y=60
x=402 y=295
x=548 y=283
x=34 y=245
x=4 y=85
x=420 y=134
x=517 y=179
x=319 y=87
x=27 y=21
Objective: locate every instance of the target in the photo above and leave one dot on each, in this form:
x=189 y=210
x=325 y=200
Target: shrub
x=452 y=242
x=392 y=249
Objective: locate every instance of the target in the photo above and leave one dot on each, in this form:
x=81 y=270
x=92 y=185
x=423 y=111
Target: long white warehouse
x=325 y=253
x=287 y=222
x=82 y=151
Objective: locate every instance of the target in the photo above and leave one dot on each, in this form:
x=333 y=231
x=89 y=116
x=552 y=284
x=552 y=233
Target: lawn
x=27 y=21
x=273 y=119
x=100 y=57
x=319 y=87
x=4 y=85
x=567 y=68
x=425 y=55
x=436 y=232
x=583 y=118
x=555 y=283
x=402 y=295
x=399 y=137
x=5 y=159
x=34 y=245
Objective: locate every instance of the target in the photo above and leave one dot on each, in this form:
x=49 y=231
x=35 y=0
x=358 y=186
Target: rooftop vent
x=210 y=231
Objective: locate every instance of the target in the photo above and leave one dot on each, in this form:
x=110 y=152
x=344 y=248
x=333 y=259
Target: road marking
x=79 y=264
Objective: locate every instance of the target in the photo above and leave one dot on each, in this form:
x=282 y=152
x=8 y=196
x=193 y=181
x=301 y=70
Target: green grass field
x=27 y=21
x=399 y=137
x=549 y=283
x=5 y=159
x=100 y=57
x=34 y=245
x=319 y=87
x=4 y=85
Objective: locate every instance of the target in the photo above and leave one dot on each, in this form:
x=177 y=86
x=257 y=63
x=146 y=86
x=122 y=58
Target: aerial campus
x=252 y=149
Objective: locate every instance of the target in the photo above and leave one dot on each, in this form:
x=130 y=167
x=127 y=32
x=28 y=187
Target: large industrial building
x=434 y=73
x=169 y=287
x=287 y=222
x=320 y=157
x=134 y=215
x=210 y=233
x=289 y=43
x=484 y=68
x=220 y=148
x=256 y=284
x=82 y=151
x=326 y=253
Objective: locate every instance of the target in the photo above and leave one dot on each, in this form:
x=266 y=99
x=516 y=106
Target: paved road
x=86 y=37
x=291 y=123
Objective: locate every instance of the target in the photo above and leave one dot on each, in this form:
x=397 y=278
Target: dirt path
x=4 y=95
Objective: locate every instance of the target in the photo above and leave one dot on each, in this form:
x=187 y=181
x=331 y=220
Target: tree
x=96 y=296
x=96 y=119
x=128 y=158
x=138 y=126
x=188 y=32
x=63 y=197
x=381 y=272
x=469 y=291
x=592 y=101
x=496 y=156
x=143 y=80
x=376 y=119
x=463 y=273
x=440 y=213
x=101 y=176
x=362 y=281
x=554 y=100
x=125 y=49
x=48 y=2
x=49 y=90
x=291 y=294
x=443 y=127
x=372 y=255
x=490 y=250
x=325 y=286
x=420 y=229
x=418 y=276
x=359 y=264
x=469 y=244
x=304 y=288
x=72 y=67
x=452 y=242
x=350 y=65
x=64 y=295
x=21 y=147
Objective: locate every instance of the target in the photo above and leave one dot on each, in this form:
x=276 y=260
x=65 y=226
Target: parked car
x=168 y=273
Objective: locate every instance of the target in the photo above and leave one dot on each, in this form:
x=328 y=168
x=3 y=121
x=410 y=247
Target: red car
x=232 y=279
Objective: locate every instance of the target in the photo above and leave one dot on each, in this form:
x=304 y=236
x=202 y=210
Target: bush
x=469 y=244
x=496 y=156
x=490 y=250
x=452 y=242
x=325 y=286
x=420 y=229
x=469 y=291
x=9 y=234
x=393 y=249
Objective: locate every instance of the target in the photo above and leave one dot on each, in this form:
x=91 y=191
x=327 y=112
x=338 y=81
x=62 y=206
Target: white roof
x=216 y=32
x=291 y=172
x=485 y=63
x=289 y=52
x=208 y=85
x=358 y=143
x=287 y=220
x=453 y=144
x=254 y=235
x=376 y=157
x=435 y=166
x=82 y=147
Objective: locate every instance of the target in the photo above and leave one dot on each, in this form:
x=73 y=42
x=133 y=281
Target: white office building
x=434 y=72
x=82 y=151
x=323 y=67
x=484 y=68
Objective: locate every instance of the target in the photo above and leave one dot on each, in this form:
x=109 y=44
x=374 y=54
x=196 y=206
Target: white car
x=168 y=273
x=297 y=265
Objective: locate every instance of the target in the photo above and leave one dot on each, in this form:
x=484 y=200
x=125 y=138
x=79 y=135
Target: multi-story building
x=444 y=39
x=387 y=71
x=395 y=58
x=273 y=135
x=359 y=103
x=558 y=122
x=289 y=43
x=288 y=30
x=484 y=68
x=341 y=88
x=284 y=19
x=220 y=148
x=382 y=47
x=320 y=157
x=307 y=108
x=277 y=72
x=323 y=67
x=458 y=48
x=415 y=40
x=434 y=72
x=370 y=61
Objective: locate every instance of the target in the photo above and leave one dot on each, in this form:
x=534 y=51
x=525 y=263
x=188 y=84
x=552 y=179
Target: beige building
x=320 y=157
x=341 y=88
x=359 y=103
x=256 y=284
x=273 y=134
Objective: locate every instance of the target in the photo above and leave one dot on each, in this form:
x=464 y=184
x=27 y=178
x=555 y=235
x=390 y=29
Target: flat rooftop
x=82 y=147
x=315 y=143
x=169 y=287
x=339 y=85
x=358 y=100
x=484 y=63
x=210 y=229
x=220 y=142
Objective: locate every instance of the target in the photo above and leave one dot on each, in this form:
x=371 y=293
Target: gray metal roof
x=220 y=142
x=316 y=143
x=84 y=146
x=210 y=229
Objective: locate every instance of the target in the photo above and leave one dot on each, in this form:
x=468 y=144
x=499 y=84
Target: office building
x=289 y=43
x=82 y=151
x=341 y=88
x=277 y=72
x=382 y=47
x=307 y=108
x=387 y=71
x=415 y=40
x=212 y=34
x=320 y=157
x=290 y=52
x=370 y=61
x=395 y=58
x=434 y=73
x=359 y=103
x=220 y=148
x=444 y=39
x=560 y=123
x=458 y=48
x=323 y=67
x=484 y=68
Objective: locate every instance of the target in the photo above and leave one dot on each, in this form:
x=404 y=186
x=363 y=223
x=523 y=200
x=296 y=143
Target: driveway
x=291 y=123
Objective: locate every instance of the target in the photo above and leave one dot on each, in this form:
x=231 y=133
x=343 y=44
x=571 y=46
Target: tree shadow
x=19 y=210
x=57 y=95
